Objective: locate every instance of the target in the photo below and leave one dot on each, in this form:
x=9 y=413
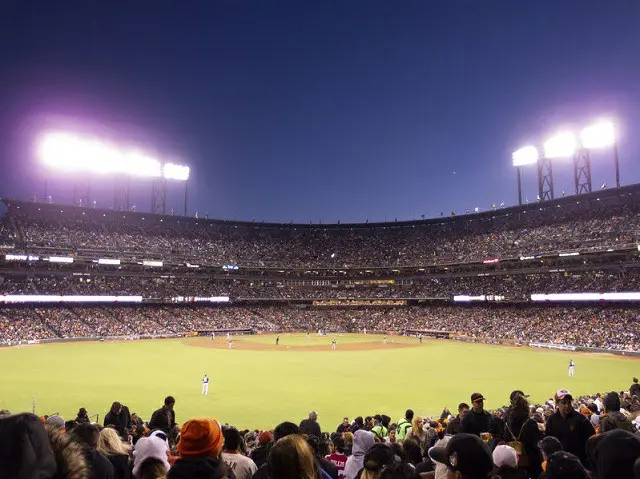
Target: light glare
x=176 y=172
x=68 y=152
x=563 y=145
x=525 y=156
x=599 y=135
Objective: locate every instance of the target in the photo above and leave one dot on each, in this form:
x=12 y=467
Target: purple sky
x=328 y=110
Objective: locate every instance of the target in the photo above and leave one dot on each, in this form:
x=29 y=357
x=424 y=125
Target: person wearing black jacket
x=477 y=420
x=455 y=425
x=570 y=427
x=164 y=418
x=310 y=426
x=119 y=418
x=521 y=427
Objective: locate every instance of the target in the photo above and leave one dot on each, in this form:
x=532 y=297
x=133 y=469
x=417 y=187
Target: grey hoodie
x=362 y=442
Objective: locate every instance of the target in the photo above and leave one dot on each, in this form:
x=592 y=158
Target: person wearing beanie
x=148 y=451
x=613 y=418
x=259 y=454
x=242 y=466
x=200 y=446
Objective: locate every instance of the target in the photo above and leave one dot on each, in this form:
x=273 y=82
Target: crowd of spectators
x=251 y=244
x=589 y=437
x=594 y=327
x=512 y=286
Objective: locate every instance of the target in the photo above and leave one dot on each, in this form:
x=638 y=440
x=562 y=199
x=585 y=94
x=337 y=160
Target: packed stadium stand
x=69 y=273
x=399 y=277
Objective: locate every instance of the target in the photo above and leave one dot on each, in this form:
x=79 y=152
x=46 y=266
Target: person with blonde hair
x=417 y=431
x=291 y=458
x=110 y=444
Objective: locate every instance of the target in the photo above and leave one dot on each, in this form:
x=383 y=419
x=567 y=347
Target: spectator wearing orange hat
x=199 y=447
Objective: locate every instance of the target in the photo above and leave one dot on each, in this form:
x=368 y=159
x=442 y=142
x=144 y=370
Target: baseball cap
x=464 y=453
x=564 y=465
x=561 y=394
x=504 y=455
x=476 y=396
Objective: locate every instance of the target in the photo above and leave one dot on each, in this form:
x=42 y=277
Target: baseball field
x=257 y=384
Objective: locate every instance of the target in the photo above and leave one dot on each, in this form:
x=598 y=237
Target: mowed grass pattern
x=262 y=388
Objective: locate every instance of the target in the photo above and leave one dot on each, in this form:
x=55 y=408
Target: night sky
x=319 y=110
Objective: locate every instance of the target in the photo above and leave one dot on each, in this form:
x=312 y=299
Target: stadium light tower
x=64 y=151
x=527 y=155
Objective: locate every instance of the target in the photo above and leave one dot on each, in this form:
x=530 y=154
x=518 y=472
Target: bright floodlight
x=60 y=150
x=68 y=152
x=176 y=172
x=142 y=165
x=598 y=135
x=525 y=156
x=562 y=145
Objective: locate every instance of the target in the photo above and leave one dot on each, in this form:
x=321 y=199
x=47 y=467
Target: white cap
x=149 y=448
x=504 y=455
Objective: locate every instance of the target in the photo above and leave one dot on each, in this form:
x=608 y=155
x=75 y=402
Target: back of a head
x=409 y=414
x=86 y=434
x=613 y=454
x=612 y=401
x=284 y=429
x=399 y=471
x=549 y=445
x=564 y=465
x=25 y=450
x=232 y=439
x=152 y=469
x=291 y=458
x=169 y=400
x=385 y=420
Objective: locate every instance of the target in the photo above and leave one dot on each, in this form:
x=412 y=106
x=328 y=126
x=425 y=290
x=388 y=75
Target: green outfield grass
x=260 y=388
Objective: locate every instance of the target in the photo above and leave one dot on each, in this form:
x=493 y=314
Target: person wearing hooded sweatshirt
x=200 y=447
x=150 y=453
x=613 y=418
x=362 y=442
